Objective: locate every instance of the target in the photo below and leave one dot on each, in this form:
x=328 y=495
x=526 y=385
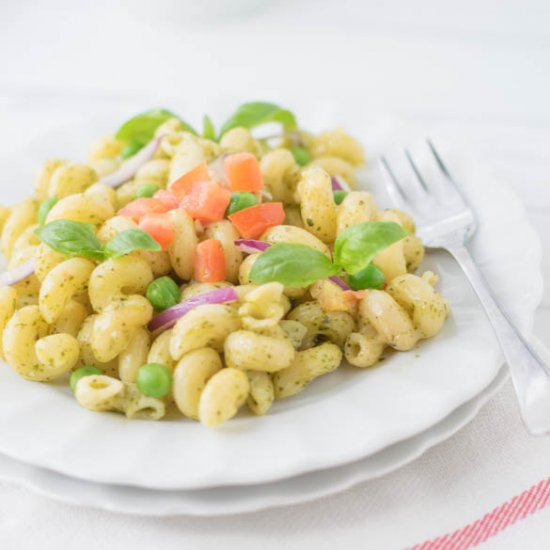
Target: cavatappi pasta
x=206 y=273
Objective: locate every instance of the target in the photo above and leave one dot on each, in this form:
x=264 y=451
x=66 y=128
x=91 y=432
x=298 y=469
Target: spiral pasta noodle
x=207 y=273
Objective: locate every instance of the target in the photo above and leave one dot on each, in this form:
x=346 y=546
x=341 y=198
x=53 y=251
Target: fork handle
x=530 y=375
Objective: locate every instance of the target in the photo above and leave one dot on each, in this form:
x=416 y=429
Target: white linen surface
x=476 y=71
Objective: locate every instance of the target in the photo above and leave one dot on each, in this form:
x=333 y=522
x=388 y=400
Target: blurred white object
x=189 y=12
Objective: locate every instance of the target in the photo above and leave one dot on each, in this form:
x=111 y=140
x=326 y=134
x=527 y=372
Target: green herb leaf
x=130 y=149
x=357 y=245
x=250 y=115
x=71 y=238
x=141 y=128
x=44 y=209
x=129 y=241
x=208 y=130
x=293 y=265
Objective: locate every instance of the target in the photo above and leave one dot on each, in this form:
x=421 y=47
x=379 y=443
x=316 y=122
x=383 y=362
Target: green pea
x=163 y=293
x=76 y=375
x=370 y=277
x=154 y=380
x=339 y=196
x=240 y=201
x=130 y=149
x=301 y=155
x=44 y=209
x=146 y=191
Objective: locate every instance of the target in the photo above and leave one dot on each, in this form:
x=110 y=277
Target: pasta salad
x=207 y=270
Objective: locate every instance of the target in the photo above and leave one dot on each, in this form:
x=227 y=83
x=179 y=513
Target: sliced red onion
x=340 y=282
x=338 y=184
x=129 y=168
x=17 y=274
x=169 y=317
x=249 y=246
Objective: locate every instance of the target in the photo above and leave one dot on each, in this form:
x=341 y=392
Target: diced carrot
x=183 y=185
x=160 y=227
x=167 y=198
x=209 y=262
x=140 y=207
x=207 y=201
x=253 y=221
x=354 y=295
x=352 y=299
x=243 y=172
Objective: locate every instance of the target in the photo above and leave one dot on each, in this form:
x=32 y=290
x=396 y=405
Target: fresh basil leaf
x=44 y=209
x=250 y=115
x=357 y=245
x=129 y=241
x=208 y=130
x=71 y=239
x=130 y=149
x=141 y=128
x=293 y=265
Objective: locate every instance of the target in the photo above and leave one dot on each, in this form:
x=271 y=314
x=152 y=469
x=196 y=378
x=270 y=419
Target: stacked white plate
x=346 y=427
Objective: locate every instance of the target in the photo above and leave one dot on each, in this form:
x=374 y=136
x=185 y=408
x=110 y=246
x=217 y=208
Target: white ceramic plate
x=241 y=499
x=340 y=418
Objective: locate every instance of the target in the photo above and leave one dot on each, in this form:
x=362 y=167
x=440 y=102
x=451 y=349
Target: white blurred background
x=477 y=71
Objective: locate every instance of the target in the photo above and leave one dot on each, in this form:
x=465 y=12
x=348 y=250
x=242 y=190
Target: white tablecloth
x=476 y=70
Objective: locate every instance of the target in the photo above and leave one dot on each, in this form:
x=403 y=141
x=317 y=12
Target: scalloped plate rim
x=114 y=498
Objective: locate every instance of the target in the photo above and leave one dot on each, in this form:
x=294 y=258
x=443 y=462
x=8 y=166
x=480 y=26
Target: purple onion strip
x=338 y=184
x=340 y=282
x=129 y=168
x=250 y=246
x=170 y=316
x=17 y=274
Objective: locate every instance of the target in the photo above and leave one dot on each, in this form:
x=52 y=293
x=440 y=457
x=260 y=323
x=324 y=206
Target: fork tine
x=445 y=171
x=396 y=192
x=417 y=173
x=438 y=159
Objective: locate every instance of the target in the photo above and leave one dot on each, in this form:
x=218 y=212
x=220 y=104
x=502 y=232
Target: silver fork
x=446 y=221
